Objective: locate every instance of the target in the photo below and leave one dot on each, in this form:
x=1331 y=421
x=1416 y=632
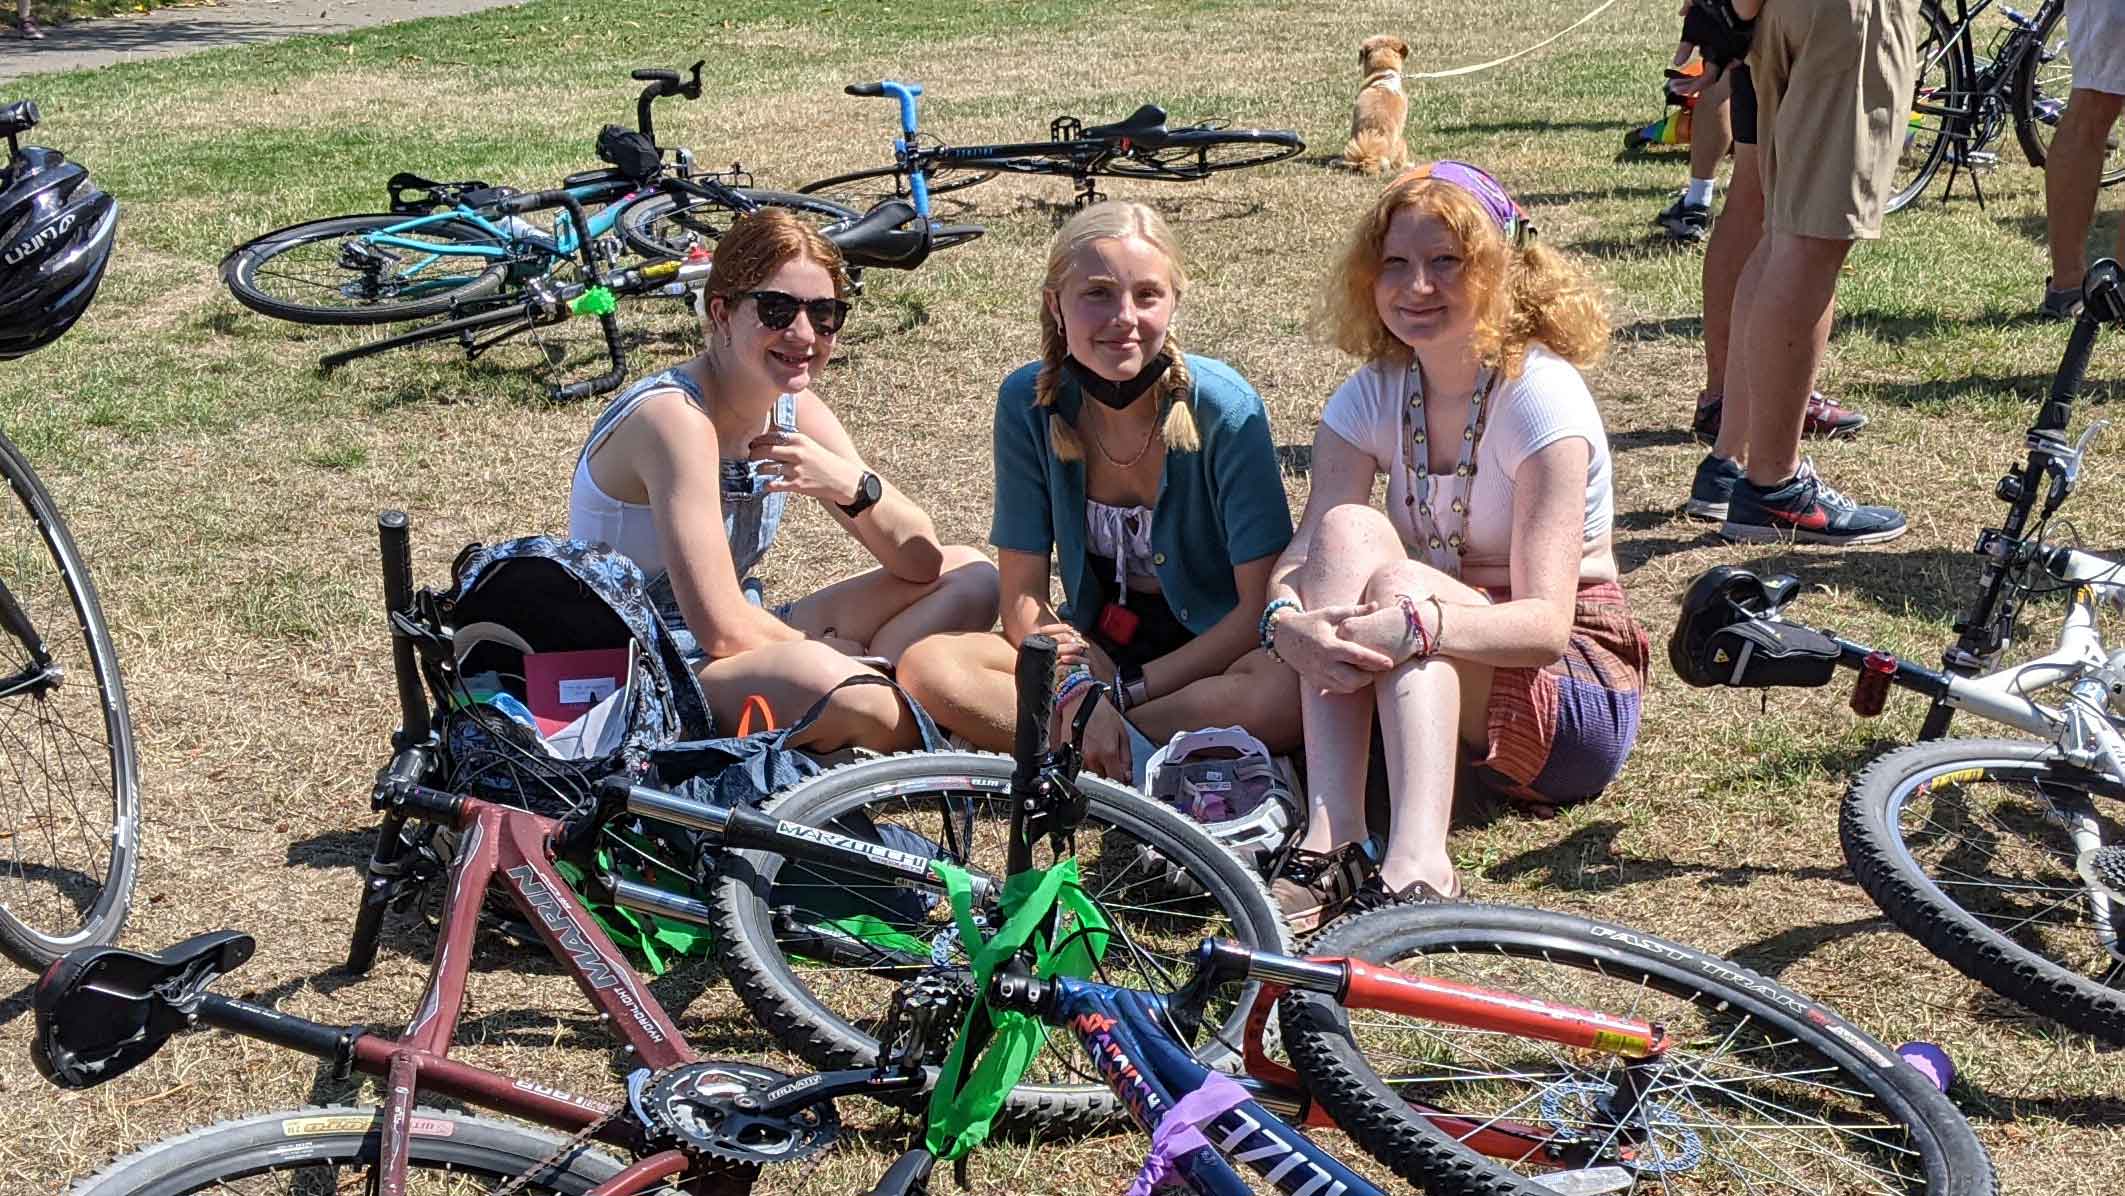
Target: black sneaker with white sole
x=1712 y=487
x=1805 y=510
x=1685 y=221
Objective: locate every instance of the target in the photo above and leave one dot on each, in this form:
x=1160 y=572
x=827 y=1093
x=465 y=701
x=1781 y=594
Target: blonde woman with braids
x=1150 y=476
x=1479 y=615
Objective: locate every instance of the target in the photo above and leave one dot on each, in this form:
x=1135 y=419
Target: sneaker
x=2104 y=870
x=1685 y=221
x=1317 y=888
x=1712 y=487
x=30 y=30
x=2059 y=304
x=1827 y=419
x=1806 y=511
x=1374 y=894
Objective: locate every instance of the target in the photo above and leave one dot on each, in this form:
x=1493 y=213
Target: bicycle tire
x=866 y=189
x=1751 y=1024
x=2041 y=89
x=657 y=226
x=81 y=894
x=822 y=1029
x=270 y=1146
x=1928 y=135
x=1977 y=803
x=1195 y=153
x=245 y=266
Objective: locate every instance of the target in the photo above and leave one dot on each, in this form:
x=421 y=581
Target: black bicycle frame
x=1981 y=114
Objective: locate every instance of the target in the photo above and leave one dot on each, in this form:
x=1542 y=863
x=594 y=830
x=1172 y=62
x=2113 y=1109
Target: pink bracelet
x=1413 y=626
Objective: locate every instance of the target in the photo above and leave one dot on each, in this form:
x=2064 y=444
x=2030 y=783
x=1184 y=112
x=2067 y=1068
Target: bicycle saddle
x=890 y=236
x=18 y=117
x=102 y=1011
x=1721 y=597
x=1145 y=128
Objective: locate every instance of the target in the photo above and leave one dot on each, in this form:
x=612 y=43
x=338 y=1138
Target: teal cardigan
x=1221 y=506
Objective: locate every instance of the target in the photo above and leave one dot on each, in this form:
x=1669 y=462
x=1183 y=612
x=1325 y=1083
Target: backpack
x=510 y=608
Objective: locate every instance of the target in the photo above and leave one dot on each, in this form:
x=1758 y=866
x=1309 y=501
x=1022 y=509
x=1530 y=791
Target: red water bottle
x=1872 y=688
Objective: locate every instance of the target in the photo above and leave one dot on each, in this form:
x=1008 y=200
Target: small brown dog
x=1376 y=141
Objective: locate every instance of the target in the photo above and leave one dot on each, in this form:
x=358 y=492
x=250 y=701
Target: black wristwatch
x=868 y=491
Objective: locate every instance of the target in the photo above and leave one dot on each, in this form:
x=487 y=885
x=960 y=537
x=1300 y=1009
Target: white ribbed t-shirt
x=1548 y=402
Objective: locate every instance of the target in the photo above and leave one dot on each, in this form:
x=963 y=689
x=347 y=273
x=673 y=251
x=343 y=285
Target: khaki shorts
x=1833 y=105
x=2095 y=41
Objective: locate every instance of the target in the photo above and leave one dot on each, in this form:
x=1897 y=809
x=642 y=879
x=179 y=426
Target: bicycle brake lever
x=692 y=88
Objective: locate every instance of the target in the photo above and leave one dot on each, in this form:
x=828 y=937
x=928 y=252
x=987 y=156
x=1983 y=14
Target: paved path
x=169 y=31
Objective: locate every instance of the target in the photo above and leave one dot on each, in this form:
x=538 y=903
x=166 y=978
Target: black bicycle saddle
x=1145 y=127
x=101 y=1011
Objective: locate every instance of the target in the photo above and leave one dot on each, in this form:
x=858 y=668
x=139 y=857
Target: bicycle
x=1137 y=147
x=702 y=1126
x=1977 y=847
x=72 y=789
x=1962 y=104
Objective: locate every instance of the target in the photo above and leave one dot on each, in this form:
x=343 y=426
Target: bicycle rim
x=2042 y=92
x=335 y=272
x=1971 y=846
x=1942 y=109
x=668 y=226
x=1189 y=154
x=866 y=189
x=69 y=781
x=816 y=952
x=1760 y=1091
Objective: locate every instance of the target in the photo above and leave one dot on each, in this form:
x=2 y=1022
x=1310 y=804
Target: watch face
x=872 y=488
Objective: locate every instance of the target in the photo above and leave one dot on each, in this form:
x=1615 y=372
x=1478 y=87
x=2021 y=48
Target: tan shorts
x=1833 y=105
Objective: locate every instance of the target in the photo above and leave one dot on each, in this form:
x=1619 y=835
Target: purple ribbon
x=1180 y=1133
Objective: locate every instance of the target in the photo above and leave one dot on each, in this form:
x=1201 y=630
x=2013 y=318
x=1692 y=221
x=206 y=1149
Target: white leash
x=1484 y=66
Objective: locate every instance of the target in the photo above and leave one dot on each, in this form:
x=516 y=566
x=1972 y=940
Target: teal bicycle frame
x=561 y=243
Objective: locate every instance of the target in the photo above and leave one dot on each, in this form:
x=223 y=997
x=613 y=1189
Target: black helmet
x=55 y=239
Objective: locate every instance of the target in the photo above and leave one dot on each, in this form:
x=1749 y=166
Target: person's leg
x=1257 y=694
x=2071 y=173
x=26 y=22
x=1350 y=544
x=966 y=683
x=792 y=676
x=1689 y=218
x=1734 y=241
x=1787 y=332
x=886 y=614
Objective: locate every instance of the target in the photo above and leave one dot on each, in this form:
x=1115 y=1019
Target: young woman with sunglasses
x=689 y=471
x=1479 y=615
x=1149 y=474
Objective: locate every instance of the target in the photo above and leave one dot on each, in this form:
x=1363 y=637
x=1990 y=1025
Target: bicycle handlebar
x=905 y=93
x=662 y=83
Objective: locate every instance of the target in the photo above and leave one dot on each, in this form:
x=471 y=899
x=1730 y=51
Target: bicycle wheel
x=666 y=226
x=1761 y=1089
x=1198 y=152
x=1970 y=846
x=1943 y=108
x=315 y=1149
x=70 y=782
x=866 y=189
x=2042 y=88
x=1159 y=876
x=332 y=271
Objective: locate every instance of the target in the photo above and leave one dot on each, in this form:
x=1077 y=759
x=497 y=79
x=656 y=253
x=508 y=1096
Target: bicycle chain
x=573 y=1144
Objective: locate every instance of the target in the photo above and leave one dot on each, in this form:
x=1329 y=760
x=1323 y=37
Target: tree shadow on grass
x=2029 y=387
x=1534 y=126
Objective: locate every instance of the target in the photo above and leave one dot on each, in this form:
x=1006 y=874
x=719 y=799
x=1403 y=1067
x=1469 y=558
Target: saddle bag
x=629 y=152
x=1766 y=654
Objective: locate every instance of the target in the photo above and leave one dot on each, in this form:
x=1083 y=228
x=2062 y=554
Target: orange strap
x=745 y=716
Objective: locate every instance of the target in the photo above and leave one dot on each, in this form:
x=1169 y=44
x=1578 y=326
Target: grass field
x=226 y=492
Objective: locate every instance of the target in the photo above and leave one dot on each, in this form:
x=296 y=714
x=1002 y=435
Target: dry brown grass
x=226 y=493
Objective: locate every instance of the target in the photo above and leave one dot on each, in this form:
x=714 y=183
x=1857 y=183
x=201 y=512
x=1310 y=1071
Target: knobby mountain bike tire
x=71 y=784
x=1967 y=844
x=2041 y=89
x=866 y=189
x=1764 y=1091
x=1198 y=152
x=665 y=226
x=308 y=273
x=1943 y=109
x=316 y=1149
x=1159 y=875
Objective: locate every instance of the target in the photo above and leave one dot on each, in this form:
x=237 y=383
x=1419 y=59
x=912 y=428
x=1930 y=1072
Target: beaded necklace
x=1416 y=459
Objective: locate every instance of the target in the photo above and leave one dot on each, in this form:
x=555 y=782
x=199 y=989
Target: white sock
x=1698 y=192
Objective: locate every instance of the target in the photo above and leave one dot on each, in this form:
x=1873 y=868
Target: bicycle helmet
x=56 y=229
x=1225 y=779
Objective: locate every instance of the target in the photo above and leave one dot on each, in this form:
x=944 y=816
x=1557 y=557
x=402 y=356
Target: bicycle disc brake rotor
x=1655 y=1140
x=712 y=1109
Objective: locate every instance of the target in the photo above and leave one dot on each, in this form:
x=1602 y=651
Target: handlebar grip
x=651 y=74
x=865 y=89
x=2066 y=384
x=589 y=386
x=1036 y=698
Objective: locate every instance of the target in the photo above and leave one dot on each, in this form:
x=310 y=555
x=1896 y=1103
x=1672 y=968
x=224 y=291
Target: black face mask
x=1118 y=394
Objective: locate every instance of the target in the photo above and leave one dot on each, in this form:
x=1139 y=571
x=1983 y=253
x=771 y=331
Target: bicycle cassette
x=716 y=1108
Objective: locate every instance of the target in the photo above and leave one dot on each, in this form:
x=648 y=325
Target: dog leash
x=1484 y=66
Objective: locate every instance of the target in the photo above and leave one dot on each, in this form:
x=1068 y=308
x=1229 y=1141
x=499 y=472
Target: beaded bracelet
x=1266 y=632
x=1413 y=627
x=1075 y=680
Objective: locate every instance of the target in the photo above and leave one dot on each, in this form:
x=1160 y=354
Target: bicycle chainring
x=712 y=1109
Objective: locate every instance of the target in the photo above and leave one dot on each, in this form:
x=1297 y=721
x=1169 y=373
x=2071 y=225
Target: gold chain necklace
x=1100 y=442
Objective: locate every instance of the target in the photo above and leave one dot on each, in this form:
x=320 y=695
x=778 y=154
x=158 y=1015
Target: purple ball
x=1931 y=1061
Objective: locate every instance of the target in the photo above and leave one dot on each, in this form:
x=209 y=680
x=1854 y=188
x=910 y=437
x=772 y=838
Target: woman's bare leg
x=1351 y=543
x=791 y=676
x=965 y=681
x=1257 y=694
x=886 y=614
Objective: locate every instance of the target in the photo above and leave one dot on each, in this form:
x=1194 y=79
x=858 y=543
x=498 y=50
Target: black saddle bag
x=1766 y=654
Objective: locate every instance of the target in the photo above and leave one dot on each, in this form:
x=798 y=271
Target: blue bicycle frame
x=563 y=243
x=1121 y=1030
x=904 y=146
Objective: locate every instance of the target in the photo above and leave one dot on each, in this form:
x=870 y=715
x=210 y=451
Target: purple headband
x=1488 y=191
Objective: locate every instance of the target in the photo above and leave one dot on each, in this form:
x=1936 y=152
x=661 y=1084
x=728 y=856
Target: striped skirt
x=1560 y=733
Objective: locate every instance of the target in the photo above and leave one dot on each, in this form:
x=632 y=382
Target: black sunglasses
x=779 y=311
